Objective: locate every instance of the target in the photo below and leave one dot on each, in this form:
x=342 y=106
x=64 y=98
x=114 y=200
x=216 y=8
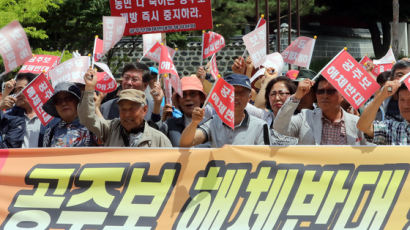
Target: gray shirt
x=248 y=132
x=32 y=132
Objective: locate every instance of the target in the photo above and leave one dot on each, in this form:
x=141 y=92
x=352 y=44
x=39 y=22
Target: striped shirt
x=391 y=132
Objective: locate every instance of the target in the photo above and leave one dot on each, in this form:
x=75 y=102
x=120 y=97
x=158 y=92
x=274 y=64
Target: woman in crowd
x=193 y=96
x=68 y=132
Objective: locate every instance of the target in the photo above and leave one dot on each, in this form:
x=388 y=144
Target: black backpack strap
x=266 y=138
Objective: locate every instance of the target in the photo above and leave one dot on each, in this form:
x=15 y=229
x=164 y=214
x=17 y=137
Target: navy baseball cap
x=238 y=79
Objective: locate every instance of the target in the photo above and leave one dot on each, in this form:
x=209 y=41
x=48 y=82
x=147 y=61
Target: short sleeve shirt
x=249 y=132
x=391 y=132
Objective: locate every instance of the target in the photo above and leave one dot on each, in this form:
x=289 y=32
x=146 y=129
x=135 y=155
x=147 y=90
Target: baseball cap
x=133 y=95
x=239 y=80
x=192 y=83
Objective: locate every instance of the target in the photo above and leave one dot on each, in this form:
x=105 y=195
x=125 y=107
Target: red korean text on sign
x=212 y=43
x=163 y=16
x=222 y=98
x=113 y=30
x=350 y=79
x=39 y=64
x=105 y=83
x=166 y=65
x=37 y=93
x=14 y=46
x=72 y=70
x=299 y=52
x=255 y=43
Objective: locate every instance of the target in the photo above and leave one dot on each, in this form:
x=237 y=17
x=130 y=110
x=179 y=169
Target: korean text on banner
x=14 y=46
x=105 y=80
x=234 y=187
x=39 y=64
x=37 y=93
x=166 y=65
x=299 y=52
x=212 y=43
x=72 y=70
x=255 y=43
x=222 y=98
x=163 y=16
x=113 y=30
x=154 y=53
x=213 y=67
x=350 y=79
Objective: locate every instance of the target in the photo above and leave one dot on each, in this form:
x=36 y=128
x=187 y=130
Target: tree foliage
x=28 y=13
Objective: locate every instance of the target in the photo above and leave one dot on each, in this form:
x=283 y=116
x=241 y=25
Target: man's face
x=21 y=99
x=190 y=100
x=328 y=99
x=404 y=104
x=400 y=73
x=132 y=79
x=131 y=114
x=242 y=97
x=66 y=106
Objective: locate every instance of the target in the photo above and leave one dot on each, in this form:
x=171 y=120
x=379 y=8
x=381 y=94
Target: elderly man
x=249 y=130
x=390 y=131
x=328 y=124
x=135 y=76
x=129 y=129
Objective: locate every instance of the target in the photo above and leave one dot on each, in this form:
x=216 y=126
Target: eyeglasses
x=128 y=78
x=327 y=91
x=280 y=93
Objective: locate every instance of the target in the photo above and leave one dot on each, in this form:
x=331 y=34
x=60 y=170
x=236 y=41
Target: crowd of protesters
x=278 y=111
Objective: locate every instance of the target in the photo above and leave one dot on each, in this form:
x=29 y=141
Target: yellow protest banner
x=235 y=187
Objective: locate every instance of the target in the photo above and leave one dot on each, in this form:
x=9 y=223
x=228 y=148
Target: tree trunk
x=380 y=47
x=395 y=28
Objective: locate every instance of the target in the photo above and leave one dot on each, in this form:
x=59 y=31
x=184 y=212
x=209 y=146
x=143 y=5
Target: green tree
x=28 y=13
x=73 y=25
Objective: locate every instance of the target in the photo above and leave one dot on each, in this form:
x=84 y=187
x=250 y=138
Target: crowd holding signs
x=78 y=103
x=349 y=77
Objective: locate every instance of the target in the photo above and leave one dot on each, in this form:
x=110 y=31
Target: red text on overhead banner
x=162 y=16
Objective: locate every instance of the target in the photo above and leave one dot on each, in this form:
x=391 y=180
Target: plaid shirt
x=391 y=132
x=333 y=133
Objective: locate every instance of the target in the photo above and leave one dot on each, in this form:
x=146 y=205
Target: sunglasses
x=327 y=91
